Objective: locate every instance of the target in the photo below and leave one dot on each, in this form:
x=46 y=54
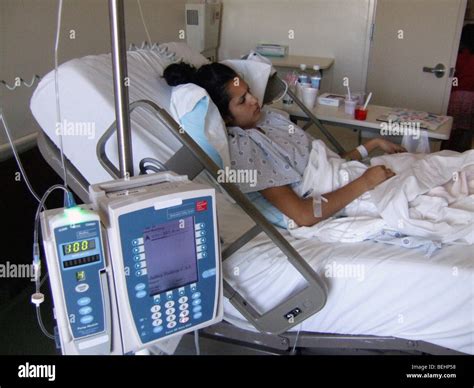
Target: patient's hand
x=389 y=147
x=373 y=176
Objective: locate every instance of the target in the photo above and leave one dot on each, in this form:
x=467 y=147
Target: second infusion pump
x=154 y=274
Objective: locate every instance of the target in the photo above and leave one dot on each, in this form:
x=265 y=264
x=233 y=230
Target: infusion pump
x=141 y=264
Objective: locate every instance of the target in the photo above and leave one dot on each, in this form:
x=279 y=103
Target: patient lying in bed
x=308 y=182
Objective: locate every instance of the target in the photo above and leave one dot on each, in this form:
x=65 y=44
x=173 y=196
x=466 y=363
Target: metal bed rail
x=322 y=343
x=276 y=85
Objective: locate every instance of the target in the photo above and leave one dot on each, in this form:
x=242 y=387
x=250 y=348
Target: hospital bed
x=379 y=297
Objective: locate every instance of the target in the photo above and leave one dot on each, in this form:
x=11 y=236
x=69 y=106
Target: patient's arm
x=371 y=145
x=301 y=210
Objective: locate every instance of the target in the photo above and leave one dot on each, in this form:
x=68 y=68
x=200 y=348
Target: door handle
x=438 y=70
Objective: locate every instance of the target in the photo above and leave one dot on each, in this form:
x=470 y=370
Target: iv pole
x=119 y=67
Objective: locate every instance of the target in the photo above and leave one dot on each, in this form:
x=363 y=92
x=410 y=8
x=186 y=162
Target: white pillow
x=256 y=74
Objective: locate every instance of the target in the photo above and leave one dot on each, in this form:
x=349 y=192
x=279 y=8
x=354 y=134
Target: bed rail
x=276 y=85
x=289 y=313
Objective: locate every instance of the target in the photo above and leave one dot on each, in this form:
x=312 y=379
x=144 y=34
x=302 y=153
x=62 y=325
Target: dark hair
x=213 y=77
x=467 y=38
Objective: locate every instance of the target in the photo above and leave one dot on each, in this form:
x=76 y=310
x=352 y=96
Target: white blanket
x=432 y=196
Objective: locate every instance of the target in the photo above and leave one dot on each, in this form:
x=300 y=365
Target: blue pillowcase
x=194 y=123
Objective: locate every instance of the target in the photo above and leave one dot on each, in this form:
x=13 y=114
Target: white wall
x=325 y=28
x=27 y=33
x=333 y=28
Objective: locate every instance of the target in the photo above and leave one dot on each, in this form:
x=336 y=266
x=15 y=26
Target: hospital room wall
x=27 y=33
x=323 y=28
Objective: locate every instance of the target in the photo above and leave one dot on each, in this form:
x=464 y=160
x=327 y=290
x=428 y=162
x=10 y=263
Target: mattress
x=373 y=289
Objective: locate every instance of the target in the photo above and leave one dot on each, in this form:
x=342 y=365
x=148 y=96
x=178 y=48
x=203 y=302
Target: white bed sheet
x=373 y=288
x=402 y=293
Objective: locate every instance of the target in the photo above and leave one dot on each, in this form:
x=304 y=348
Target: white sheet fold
x=430 y=197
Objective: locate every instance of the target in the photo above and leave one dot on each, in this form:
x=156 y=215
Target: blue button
x=208 y=273
x=140 y=286
x=137 y=265
x=196 y=309
x=140 y=294
x=138 y=273
x=202 y=224
x=87 y=319
x=197 y=315
x=135 y=242
x=203 y=240
x=158 y=329
x=203 y=232
x=204 y=247
x=135 y=250
x=85 y=310
x=196 y=302
x=136 y=258
x=196 y=295
x=84 y=301
x=204 y=254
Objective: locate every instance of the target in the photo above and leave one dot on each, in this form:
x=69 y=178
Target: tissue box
x=272 y=50
x=330 y=99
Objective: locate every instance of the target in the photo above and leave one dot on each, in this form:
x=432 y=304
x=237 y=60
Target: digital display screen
x=170 y=251
x=78 y=246
x=81 y=261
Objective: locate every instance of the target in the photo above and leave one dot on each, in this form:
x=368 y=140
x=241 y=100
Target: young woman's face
x=243 y=106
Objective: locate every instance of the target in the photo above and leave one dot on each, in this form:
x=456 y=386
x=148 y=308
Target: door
x=411 y=40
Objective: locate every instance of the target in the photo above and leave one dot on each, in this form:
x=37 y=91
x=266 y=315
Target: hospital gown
x=279 y=155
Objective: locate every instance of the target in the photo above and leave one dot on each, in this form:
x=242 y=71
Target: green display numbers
x=78 y=246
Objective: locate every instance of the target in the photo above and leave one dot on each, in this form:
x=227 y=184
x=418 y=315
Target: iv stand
x=121 y=82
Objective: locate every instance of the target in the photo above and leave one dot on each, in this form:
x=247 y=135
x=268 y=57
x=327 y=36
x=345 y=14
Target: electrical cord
x=22 y=83
x=293 y=351
x=151 y=164
x=196 y=342
x=283 y=94
x=143 y=20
